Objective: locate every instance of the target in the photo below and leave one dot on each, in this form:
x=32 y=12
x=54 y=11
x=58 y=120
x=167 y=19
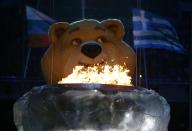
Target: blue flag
x=152 y=31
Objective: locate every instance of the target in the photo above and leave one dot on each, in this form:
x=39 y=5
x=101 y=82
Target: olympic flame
x=97 y=74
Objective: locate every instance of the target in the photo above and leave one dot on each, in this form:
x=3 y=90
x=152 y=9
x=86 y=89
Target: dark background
x=168 y=73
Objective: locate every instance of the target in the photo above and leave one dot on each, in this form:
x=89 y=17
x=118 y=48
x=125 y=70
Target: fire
x=106 y=74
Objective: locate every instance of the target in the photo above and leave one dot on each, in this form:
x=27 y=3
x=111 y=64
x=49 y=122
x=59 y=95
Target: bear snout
x=91 y=49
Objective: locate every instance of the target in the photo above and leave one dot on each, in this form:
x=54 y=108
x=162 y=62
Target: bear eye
x=101 y=39
x=76 y=41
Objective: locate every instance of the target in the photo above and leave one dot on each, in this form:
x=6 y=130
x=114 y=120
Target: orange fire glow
x=116 y=75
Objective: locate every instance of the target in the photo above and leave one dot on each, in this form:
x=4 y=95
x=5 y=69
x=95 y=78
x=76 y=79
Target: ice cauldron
x=95 y=107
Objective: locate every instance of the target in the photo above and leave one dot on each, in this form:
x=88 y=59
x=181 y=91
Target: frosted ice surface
x=50 y=108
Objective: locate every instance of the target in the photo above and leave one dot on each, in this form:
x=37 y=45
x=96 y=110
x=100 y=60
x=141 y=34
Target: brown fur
x=62 y=56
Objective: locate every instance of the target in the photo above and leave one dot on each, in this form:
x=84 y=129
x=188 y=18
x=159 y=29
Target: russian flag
x=37 y=27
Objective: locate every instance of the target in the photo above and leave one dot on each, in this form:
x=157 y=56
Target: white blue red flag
x=37 y=27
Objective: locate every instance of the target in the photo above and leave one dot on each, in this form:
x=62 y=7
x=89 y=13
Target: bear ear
x=56 y=30
x=115 y=26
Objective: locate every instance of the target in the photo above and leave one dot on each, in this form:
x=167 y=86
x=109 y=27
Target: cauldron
x=63 y=107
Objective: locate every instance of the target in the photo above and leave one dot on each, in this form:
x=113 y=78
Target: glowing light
x=148 y=124
x=98 y=74
x=127 y=119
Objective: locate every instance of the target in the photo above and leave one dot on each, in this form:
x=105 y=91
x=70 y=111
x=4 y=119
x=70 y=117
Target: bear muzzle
x=91 y=49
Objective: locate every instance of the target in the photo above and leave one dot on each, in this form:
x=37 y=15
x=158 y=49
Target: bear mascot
x=86 y=42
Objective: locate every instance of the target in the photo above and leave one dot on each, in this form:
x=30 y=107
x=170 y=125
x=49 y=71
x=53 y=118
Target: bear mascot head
x=86 y=42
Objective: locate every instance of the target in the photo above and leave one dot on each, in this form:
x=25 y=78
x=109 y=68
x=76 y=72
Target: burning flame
x=116 y=75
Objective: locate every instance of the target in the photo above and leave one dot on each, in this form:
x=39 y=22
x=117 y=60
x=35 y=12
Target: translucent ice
x=53 y=108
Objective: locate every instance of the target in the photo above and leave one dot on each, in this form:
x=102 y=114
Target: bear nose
x=91 y=49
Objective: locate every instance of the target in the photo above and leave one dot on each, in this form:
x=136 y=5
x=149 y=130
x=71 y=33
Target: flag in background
x=37 y=27
x=152 y=31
